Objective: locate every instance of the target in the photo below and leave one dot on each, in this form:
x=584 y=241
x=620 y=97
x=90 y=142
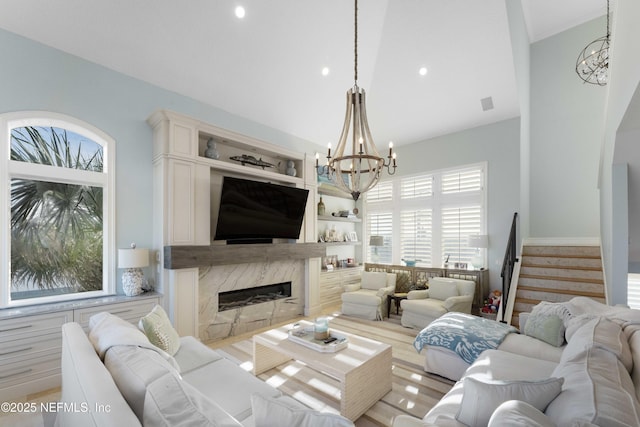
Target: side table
x=396 y=298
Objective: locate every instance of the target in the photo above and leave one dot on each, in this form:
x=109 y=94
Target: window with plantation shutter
x=381 y=192
x=462 y=181
x=415 y=235
x=413 y=187
x=432 y=213
x=380 y=224
x=456 y=225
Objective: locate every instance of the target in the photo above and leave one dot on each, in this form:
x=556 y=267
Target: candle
x=328 y=150
x=390 y=148
x=317 y=157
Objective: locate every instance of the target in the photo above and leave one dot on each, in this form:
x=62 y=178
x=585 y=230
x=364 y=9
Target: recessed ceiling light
x=325 y=71
x=423 y=71
x=240 y=12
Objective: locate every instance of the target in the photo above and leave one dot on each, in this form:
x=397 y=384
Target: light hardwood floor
x=414 y=391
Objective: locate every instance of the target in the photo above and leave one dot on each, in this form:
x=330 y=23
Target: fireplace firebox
x=243 y=297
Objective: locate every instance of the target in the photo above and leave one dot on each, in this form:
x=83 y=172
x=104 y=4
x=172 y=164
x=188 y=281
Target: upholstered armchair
x=444 y=295
x=368 y=298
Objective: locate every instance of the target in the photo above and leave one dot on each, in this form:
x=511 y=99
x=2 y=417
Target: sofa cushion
x=158 y=329
x=169 y=401
x=277 y=412
x=481 y=398
x=597 y=389
x=602 y=333
x=519 y=413
x=133 y=369
x=633 y=334
x=193 y=354
x=441 y=289
x=373 y=280
x=235 y=396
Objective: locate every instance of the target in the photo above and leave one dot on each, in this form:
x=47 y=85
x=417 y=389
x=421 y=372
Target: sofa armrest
x=418 y=294
x=383 y=292
x=351 y=287
x=409 y=421
x=458 y=303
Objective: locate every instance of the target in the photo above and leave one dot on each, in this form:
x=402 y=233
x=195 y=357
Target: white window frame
x=436 y=201
x=15 y=169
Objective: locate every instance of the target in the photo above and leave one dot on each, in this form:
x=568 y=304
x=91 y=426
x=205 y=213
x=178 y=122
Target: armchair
x=444 y=295
x=366 y=298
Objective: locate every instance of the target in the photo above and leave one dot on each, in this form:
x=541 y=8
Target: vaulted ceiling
x=267 y=67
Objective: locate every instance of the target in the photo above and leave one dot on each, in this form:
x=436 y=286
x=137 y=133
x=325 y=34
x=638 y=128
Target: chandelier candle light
x=132 y=260
x=356 y=164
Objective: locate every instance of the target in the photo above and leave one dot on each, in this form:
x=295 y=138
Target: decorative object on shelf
x=133 y=260
x=212 y=150
x=361 y=164
x=480 y=242
x=321 y=208
x=352 y=236
x=291 y=168
x=246 y=159
x=410 y=262
x=592 y=65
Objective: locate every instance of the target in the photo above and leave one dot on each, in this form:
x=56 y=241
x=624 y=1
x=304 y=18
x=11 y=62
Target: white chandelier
x=356 y=164
x=592 y=65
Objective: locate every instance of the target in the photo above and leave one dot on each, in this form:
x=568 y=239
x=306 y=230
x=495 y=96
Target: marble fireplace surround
x=223 y=268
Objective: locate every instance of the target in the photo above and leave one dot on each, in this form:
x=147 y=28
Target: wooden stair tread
x=570 y=256
x=559 y=291
x=562 y=279
x=562 y=267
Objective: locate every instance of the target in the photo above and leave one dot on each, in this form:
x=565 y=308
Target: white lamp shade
x=376 y=241
x=133 y=258
x=478 y=241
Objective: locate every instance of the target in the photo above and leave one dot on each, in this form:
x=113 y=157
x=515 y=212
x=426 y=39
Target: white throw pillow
x=519 y=413
x=442 y=289
x=547 y=322
x=158 y=329
x=373 y=280
x=480 y=399
x=169 y=401
x=277 y=412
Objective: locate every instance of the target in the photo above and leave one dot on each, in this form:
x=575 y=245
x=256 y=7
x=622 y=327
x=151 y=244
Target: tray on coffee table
x=303 y=335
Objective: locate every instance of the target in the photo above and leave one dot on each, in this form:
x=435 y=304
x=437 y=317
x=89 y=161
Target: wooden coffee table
x=363 y=368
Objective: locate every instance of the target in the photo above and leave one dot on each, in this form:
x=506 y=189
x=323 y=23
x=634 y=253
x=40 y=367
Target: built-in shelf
x=340 y=243
x=337 y=218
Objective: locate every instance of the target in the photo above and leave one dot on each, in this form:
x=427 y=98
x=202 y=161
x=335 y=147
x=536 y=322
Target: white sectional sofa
x=116 y=377
x=596 y=381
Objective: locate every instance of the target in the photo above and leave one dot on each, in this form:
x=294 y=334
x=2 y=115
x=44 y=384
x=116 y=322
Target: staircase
x=557 y=274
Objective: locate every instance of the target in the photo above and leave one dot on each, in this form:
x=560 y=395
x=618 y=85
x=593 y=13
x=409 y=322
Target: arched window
x=58 y=183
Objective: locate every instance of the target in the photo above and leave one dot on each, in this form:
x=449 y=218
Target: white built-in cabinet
x=31 y=339
x=184 y=183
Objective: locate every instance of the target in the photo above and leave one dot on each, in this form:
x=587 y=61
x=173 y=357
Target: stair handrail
x=508 y=263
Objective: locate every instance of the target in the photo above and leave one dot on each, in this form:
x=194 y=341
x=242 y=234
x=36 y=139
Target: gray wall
x=567 y=119
x=498 y=145
x=36 y=77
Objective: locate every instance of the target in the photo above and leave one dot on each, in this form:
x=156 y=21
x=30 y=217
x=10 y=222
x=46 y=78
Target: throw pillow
x=169 y=401
x=157 y=327
x=519 y=413
x=277 y=412
x=549 y=329
x=442 y=289
x=480 y=399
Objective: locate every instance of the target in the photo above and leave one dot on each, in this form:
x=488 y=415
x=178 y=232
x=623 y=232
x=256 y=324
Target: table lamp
x=376 y=241
x=478 y=241
x=132 y=260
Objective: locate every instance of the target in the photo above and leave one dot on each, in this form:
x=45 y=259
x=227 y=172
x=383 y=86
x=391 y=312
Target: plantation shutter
x=420 y=186
x=415 y=235
x=633 y=290
x=457 y=224
x=382 y=192
x=380 y=224
x=462 y=181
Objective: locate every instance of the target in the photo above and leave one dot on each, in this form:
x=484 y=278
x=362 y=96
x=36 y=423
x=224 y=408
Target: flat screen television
x=259 y=211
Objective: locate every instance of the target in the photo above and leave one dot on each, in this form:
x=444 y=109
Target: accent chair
x=368 y=298
x=444 y=295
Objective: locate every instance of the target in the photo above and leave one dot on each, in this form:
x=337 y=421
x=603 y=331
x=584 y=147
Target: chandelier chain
x=355 y=44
